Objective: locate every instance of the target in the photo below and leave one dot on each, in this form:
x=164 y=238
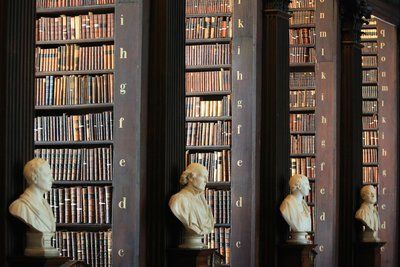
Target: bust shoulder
x=21 y=210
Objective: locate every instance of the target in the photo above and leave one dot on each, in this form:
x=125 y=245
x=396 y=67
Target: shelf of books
x=208 y=59
x=379 y=91
x=312 y=94
x=73 y=125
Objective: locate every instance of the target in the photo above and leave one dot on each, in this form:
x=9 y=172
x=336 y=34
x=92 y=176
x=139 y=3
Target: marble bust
x=190 y=207
x=33 y=209
x=368 y=214
x=295 y=210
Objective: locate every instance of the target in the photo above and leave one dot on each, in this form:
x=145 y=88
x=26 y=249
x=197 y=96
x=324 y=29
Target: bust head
x=368 y=194
x=37 y=173
x=299 y=183
x=195 y=176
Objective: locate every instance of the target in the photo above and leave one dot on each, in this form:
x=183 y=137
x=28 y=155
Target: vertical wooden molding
x=274 y=154
x=16 y=113
x=350 y=127
x=166 y=121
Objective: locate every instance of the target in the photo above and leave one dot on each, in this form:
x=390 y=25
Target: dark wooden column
x=166 y=124
x=274 y=167
x=350 y=127
x=16 y=114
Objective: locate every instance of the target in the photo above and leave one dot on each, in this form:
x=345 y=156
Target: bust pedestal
x=44 y=262
x=184 y=257
x=368 y=254
x=299 y=255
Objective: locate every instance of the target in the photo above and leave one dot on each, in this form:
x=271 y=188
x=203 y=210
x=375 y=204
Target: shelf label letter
x=122 y=163
x=238 y=50
x=321 y=248
x=322 y=217
x=122 y=88
x=121 y=19
x=322 y=166
x=383 y=58
x=238 y=244
x=384 y=191
x=239 y=76
x=123 y=54
x=323 y=143
x=384 y=152
x=322 y=51
x=238 y=128
x=383 y=74
x=383 y=206
x=323 y=75
x=239 y=163
x=239 y=203
x=384 y=173
x=323 y=120
x=322 y=15
x=121 y=120
x=240 y=104
x=240 y=24
x=322 y=34
x=322 y=191
x=383 y=33
x=121 y=253
x=385 y=88
x=383 y=225
x=383 y=120
x=122 y=203
x=382 y=45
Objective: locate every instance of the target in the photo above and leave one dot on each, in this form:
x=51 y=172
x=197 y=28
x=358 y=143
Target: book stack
x=73 y=124
x=370 y=133
x=208 y=87
x=302 y=94
x=93 y=248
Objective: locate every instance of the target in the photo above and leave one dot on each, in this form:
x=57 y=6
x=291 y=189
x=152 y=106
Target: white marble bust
x=33 y=209
x=190 y=207
x=368 y=214
x=295 y=210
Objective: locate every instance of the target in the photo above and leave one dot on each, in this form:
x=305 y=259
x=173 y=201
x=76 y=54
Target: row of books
x=220 y=204
x=370 y=138
x=74 y=57
x=74 y=90
x=369 y=61
x=302 y=144
x=368 y=34
x=311 y=197
x=302 y=17
x=301 y=79
x=82 y=164
x=370 y=76
x=218 y=164
x=208 y=81
x=302 y=4
x=87 y=127
x=220 y=239
x=207 y=54
x=370 y=174
x=302 y=36
x=199 y=107
x=302 y=98
x=302 y=55
x=370 y=155
x=305 y=166
x=64 y=27
x=91 y=204
x=208 y=27
x=93 y=248
x=370 y=122
x=70 y=3
x=302 y=122
x=208 y=6
x=208 y=133
x=369 y=47
x=370 y=91
x=369 y=106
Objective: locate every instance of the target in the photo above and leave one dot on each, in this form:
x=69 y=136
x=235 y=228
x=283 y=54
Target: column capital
x=281 y=5
x=353 y=15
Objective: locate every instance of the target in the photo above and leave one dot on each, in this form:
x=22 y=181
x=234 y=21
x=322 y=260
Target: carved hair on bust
x=365 y=190
x=295 y=181
x=32 y=169
x=193 y=168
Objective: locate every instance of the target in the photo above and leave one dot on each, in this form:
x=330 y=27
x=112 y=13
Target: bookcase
x=86 y=127
x=380 y=113
x=312 y=91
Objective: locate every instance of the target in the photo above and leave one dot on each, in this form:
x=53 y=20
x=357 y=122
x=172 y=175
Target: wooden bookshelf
x=74 y=10
x=75 y=41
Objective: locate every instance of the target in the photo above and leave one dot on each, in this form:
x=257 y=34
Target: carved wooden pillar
x=350 y=127
x=274 y=167
x=166 y=124
x=16 y=114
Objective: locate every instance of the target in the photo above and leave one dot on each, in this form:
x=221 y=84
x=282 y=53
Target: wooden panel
x=16 y=114
x=388 y=144
x=326 y=16
x=130 y=114
x=246 y=79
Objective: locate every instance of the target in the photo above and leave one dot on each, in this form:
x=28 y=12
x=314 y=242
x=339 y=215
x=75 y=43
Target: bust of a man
x=31 y=207
x=294 y=209
x=189 y=205
x=368 y=214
